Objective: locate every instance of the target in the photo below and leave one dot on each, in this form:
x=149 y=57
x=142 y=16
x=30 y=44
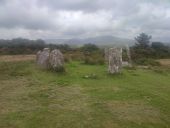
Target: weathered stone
x=106 y=52
x=56 y=60
x=129 y=56
x=38 y=56
x=42 y=58
x=114 y=60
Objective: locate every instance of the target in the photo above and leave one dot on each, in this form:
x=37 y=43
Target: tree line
x=26 y=46
x=143 y=48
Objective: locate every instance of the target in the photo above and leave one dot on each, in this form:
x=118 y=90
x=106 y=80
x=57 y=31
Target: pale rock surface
x=129 y=56
x=42 y=58
x=56 y=60
x=114 y=60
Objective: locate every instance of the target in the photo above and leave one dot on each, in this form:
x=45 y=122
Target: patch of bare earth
x=164 y=62
x=11 y=58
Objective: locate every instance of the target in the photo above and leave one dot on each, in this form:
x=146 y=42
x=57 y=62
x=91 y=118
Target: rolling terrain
x=34 y=98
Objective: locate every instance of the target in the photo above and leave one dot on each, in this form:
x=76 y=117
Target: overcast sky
x=84 y=18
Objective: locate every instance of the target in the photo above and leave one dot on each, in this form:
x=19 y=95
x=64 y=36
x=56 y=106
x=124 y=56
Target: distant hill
x=98 y=40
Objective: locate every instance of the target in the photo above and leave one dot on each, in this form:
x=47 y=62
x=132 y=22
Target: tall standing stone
x=129 y=56
x=106 y=53
x=43 y=58
x=114 y=60
x=56 y=60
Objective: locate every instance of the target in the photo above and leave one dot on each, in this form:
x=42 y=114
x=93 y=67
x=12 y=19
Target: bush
x=145 y=61
x=94 y=58
x=93 y=61
x=89 y=60
x=76 y=55
x=89 y=48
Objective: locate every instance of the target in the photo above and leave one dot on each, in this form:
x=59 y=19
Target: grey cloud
x=76 y=5
x=15 y=15
x=71 y=18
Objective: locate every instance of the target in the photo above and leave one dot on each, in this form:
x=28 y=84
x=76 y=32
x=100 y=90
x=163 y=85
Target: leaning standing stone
x=56 y=60
x=43 y=58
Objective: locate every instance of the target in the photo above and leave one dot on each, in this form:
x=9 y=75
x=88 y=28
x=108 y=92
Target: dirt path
x=9 y=58
x=164 y=62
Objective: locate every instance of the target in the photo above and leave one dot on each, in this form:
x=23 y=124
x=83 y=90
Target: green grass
x=34 y=98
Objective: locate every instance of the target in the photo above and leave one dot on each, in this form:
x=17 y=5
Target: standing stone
x=56 y=60
x=38 y=56
x=43 y=58
x=129 y=55
x=106 y=53
x=114 y=60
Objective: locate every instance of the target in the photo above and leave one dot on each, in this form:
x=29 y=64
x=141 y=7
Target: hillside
x=99 y=40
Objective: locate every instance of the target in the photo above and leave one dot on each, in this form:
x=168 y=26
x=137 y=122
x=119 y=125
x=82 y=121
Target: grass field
x=34 y=98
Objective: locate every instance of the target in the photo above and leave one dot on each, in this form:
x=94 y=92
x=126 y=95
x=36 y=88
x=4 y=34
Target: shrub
x=94 y=58
x=145 y=61
x=89 y=48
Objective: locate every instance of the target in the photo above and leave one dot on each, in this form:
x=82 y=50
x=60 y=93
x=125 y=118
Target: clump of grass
x=60 y=69
x=15 y=68
x=130 y=67
x=159 y=70
x=116 y=75
x=62 y=82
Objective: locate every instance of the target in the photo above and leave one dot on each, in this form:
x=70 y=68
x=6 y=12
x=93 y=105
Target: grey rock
x=114 y=60
x=129 y=56
x=56 y=60
x=38 y=56
x=42 y=58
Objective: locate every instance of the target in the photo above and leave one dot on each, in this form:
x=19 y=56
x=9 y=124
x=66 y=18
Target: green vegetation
x=145 y=61
x=145 y=49
x=92 y=54
x=89 y=53
x=84 y=96
x=26 y=46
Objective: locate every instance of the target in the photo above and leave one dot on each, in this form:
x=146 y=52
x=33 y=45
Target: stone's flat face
x=106 y=52
x=56 y=59
x=129 y=56
x=114 y=60
x=38 y=56
x=53 y=59
x=43 y=58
